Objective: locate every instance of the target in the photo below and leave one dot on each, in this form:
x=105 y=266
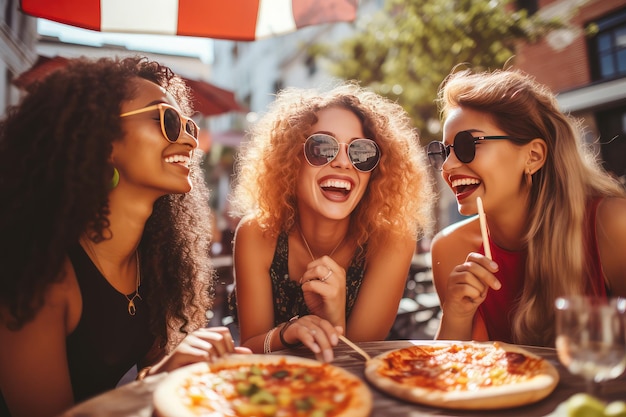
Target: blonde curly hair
x=398 y=201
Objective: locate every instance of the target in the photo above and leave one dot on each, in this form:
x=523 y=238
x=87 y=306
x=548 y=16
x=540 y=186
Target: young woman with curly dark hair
x=104 y=232
x=335 y=192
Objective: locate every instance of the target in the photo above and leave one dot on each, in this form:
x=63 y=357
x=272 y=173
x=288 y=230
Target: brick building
x=586 y=66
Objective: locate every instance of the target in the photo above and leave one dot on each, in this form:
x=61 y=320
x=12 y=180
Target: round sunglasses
x=464 y=148
x=172 y=122
x=320 y=149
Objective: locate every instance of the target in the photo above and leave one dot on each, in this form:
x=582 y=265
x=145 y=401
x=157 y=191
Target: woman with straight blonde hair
x=334 y=192
x=557 y=221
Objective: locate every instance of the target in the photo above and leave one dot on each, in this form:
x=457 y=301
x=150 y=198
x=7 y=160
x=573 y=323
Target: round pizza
x=262 y=386
x=463 y=375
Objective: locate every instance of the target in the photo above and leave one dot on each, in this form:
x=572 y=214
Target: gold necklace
x=132 y=309
x=309 y=249
x=131 y=301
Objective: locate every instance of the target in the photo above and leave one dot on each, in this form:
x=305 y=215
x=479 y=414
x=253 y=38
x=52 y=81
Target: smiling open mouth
x=178 y=159
x=465 y=184
x=336 y=186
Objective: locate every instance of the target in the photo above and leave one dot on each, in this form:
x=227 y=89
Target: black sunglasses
x=320 y=149
x=172 y=122
x=464 y=148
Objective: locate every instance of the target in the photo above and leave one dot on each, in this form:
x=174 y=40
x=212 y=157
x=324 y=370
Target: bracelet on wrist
x=267 y=343
x=281 y=334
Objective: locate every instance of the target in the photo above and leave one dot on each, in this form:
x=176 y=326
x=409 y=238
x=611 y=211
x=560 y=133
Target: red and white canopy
x=223 y=19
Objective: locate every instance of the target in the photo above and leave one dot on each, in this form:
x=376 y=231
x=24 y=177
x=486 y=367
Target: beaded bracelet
x=267 y=344
x=281 y=334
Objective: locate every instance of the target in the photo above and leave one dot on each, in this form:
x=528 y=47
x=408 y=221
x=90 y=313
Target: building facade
x=586 y=66
x=18 y=34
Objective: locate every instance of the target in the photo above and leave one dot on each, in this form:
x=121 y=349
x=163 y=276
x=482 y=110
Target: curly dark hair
x=55 y=178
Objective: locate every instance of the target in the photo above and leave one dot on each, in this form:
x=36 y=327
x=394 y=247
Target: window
x=278 y=85
x=9 y=8
x=311 y=65
x=531 y=6
x=612 y=126
x=608 y=47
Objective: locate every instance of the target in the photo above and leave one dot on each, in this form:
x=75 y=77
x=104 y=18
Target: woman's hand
x=468 y=284
x=324 y=289
x=317 y=334
x=206 y=344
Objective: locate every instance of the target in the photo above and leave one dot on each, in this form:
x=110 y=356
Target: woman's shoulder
x=611 y=235
x=611 y=219
x=250 y=227
x=250 y=232
x=62 y=301
x=383 y=247
x=457 y=239
x=613 y=207
x=461 y=231
x=611 y=216
x=67 y=291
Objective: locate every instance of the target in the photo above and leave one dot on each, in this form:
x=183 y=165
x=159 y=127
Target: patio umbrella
x=40 y=69
x=223 y=19
x=208 y=99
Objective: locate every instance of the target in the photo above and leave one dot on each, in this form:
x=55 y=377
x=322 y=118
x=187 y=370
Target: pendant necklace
x=309 y=249
x=131 y=301
x=132 y=309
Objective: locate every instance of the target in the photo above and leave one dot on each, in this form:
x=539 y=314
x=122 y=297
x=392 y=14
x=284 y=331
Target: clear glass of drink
x=591 y=337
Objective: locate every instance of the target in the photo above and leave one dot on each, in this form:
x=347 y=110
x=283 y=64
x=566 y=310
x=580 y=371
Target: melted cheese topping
x=458 y=367
x=267 y=390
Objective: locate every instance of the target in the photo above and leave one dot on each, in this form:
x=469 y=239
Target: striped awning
x=244 y=20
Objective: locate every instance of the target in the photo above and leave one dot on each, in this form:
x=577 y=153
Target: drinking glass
x=591 y=337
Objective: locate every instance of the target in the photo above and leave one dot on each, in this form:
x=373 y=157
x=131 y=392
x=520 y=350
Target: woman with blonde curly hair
x=334 y=192
x=557 y=221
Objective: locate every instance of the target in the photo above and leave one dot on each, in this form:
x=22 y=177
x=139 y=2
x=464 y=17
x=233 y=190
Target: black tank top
x=108 y=341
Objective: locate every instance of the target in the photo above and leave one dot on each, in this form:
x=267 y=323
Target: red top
x=499 y=306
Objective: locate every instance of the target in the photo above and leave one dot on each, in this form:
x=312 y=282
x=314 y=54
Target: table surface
x=136 y=398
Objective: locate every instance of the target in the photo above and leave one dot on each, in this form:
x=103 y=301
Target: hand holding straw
x=483 y=227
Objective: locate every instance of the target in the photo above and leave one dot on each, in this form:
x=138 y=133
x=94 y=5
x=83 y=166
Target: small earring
x=529 y=177
x=116 y=178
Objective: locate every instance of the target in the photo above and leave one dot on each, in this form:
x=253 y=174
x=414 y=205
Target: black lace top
x=287 y=293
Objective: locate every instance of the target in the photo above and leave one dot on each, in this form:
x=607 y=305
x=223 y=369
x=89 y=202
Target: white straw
x=483 y=227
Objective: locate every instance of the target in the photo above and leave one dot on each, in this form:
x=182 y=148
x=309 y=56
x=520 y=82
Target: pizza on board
x=463 y=375
x=260 y=386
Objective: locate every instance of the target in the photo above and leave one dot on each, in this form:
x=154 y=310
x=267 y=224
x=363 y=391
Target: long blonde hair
x=400 y=191
x=557 y=261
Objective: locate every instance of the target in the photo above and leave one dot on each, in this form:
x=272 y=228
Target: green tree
x=406 y=50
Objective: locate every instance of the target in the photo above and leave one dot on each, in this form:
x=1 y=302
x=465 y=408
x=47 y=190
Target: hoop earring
x=116 y=178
